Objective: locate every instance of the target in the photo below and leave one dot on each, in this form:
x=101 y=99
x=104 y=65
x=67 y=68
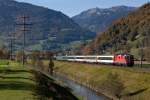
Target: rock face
x=98 y=20
x=47 y=23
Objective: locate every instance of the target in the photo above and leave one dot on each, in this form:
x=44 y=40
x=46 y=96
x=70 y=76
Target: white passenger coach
x=88 y=59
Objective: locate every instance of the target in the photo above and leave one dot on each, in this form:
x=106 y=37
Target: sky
x=74 y=7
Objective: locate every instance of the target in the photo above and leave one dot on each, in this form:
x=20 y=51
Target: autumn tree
x=19 y=56
x=4 y=54
x=37 y=61
x=35 y=57
x=88 y=50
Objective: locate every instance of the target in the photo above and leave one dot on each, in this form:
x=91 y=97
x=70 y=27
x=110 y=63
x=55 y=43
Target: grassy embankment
x=132 y=83
x=15 y=82
x=22 y=83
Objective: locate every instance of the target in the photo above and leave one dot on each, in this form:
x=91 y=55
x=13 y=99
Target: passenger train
x=120 y=59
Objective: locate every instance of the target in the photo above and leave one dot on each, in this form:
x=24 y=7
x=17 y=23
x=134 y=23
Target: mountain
x=127 y=35
x=48 y=25
x=98 y=20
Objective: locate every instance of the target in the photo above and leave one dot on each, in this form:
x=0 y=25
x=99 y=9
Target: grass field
x=136 y=83
x=19 y=82
x=16 y=82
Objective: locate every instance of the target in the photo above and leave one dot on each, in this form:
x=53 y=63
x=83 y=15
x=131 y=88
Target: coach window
x=105 y=58
x=71 y=57
x=79 y=58
x=90 y=58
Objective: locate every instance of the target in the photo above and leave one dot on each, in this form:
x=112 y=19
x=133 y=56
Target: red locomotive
x=124 y=59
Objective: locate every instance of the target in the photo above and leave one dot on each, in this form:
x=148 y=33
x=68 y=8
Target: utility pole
x=142 y=54
x=12 y=39
x=24 y=23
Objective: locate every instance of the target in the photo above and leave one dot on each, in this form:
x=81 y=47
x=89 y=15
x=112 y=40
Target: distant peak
x=115 y=8
x=93 y=10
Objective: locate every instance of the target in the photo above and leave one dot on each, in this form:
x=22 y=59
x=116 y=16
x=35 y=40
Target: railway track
x=134 y=68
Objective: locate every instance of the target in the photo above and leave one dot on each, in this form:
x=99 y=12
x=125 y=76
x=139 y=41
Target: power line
x=12 y=40
x=24 y=23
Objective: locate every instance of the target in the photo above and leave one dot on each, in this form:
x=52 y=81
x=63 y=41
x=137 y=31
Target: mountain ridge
x=98 y=19
x=47 y=23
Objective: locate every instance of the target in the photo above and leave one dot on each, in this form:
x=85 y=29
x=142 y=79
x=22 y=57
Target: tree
x=1 y=54
x=88 y=50
x=4 y=54
x=35 y=57
x=19 y=56
x=49 y=56
x=37 y=60
x=51 y=65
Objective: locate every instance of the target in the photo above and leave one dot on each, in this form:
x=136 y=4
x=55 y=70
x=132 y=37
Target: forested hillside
x=130 y=34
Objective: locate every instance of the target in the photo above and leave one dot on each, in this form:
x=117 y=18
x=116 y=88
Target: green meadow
x=18 y=82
